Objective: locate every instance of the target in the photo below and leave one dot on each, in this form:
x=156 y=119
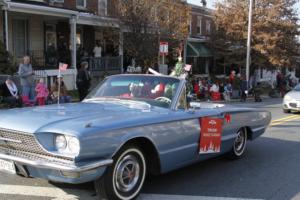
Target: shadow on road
x=269 y=170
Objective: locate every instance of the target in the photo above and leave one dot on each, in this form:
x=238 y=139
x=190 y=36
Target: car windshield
x=153 y=90
x=297 y=88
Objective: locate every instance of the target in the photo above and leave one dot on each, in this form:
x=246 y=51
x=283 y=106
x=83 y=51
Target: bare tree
x=146 y=21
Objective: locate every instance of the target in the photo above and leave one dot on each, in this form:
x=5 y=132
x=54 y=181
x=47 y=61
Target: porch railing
x=105 y=64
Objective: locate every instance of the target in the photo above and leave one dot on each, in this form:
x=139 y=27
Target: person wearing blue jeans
x=63 y=92
x=65 y=99
x=26 y=75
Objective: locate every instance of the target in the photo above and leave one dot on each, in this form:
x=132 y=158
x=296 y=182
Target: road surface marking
x=284 y=120
x=76 y=194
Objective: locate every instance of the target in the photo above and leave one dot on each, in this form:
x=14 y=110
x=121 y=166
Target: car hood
x=76 y=117
x=294 y=94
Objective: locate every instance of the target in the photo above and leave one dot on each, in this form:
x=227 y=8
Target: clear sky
x=210 y=4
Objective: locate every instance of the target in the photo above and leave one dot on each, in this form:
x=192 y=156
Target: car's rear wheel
x=125 y=178
x=286 y=110
x=239 y=144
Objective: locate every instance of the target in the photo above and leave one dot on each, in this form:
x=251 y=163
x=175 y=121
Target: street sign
x=163 y=48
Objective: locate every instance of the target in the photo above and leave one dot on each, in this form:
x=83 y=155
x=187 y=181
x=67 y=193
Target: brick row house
x=53 y=31
x=198 y=53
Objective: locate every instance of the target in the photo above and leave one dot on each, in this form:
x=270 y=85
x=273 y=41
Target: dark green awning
x=197 y=49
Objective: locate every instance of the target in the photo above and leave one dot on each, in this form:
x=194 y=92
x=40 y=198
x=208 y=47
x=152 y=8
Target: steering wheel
x=164 y=99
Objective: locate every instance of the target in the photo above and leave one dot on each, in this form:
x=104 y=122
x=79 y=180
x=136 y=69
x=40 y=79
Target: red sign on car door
x=210 y=135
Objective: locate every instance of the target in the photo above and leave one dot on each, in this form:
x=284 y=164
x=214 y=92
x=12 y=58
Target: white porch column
x=121 y=50
x=73 y=46
x=73 y=41
x=5 y=29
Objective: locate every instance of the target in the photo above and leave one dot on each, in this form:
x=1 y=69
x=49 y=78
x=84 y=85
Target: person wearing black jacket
x=83 y=80
x=10 y=93
x=243 y=89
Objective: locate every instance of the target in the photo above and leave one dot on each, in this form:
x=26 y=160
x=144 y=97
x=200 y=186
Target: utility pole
x=249 y=42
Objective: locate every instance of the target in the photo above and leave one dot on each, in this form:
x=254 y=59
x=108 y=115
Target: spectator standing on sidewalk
x=27 y=78
x=222 y=89
x=227 y=91
x=42 y=92
x=83 y=80
x=243 y=89
x=63 y=92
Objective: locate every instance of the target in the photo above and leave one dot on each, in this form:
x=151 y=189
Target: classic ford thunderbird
x=127 y=127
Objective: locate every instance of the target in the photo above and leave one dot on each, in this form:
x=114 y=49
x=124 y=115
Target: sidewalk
x=249 y=99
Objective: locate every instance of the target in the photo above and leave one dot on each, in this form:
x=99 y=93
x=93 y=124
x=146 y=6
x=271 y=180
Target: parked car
x=291 y=100
x=127 y=127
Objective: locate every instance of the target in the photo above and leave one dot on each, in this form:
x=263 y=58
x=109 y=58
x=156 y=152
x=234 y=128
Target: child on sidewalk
x=42 y=92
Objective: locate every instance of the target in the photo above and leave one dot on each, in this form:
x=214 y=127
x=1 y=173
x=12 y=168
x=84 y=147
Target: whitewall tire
x=125 y=178
x=239 y=144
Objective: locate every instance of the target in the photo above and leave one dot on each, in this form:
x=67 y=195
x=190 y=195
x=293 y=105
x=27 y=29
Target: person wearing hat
x=83 y=80
x=63 y=92
x=10 y=93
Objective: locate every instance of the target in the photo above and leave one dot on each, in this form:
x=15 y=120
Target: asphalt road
x=270 y=169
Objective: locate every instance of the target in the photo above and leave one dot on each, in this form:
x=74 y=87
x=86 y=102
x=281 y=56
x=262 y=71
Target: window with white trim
x=199 y=25
x=102 y=7
x=81 y=3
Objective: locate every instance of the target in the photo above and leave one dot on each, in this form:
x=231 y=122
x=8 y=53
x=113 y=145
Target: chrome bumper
x=58 y=166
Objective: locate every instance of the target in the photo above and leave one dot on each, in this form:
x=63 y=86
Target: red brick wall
x=92 y=6
x=112 y=8
x=70 y=4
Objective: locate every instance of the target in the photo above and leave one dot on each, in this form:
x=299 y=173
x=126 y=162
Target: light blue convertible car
x=128 y=127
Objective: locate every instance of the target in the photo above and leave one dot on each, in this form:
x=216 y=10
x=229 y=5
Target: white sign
x=163 y=48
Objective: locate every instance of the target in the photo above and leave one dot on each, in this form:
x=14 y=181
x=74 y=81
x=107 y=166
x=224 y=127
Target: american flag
x=63 y=66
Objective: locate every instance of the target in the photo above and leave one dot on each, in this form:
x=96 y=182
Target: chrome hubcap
x=127 y=173
x=239 y=143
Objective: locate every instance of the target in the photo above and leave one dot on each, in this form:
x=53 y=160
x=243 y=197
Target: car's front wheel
x=239 y=145
x=125 y=178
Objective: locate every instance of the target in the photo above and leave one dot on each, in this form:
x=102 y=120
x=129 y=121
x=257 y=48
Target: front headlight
x=67 y=145
x=73 y=145
x=60 y=143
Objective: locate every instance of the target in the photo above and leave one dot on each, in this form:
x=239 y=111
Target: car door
x=182 y=147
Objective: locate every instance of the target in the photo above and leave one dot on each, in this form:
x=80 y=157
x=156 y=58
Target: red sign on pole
x=210 y=136
x=163 y=48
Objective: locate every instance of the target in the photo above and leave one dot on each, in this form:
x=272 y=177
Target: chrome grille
x=25 y=145
x=34 y=157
